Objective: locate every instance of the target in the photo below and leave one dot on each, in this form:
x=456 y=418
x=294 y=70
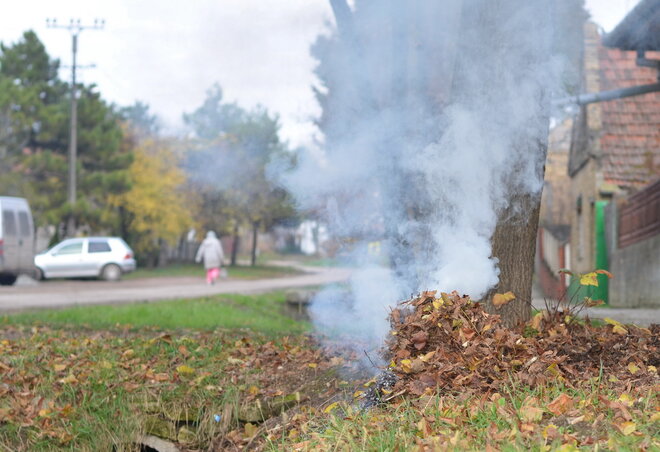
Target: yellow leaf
x=253 y=390
x=59 y=367
x=626 y=399
x=406 y=365
x=425 y=358
x=437 y=303
x=633 y=368
x=331 y=407
x=106 y=364
x=128 y=353
x=500 y=299
x=70 y=379
x=358 y=394
x=652 y=369
x=536 y=321
x=655 y=418
x=312 y=365
x=589 y=279
x=627 y=427
x=550 y=431
x=554 y=369
x=620 y=330
x=612 y=322
x=588 y=302
x=250 y=430
x=185 y=370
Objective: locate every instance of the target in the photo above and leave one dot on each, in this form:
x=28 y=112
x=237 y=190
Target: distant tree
x=214 y=117
x=229 y=163
x=35 y=105
x=141 y=119
x=156 y=208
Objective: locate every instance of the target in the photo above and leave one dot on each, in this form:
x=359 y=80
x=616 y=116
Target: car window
x=74 y=248
x=24 y=224
x=8 y=223
x=100 y=246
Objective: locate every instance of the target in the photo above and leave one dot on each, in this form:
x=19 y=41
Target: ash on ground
x=379 y=391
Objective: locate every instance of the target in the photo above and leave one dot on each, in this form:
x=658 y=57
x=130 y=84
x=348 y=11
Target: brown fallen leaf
x=560 y=405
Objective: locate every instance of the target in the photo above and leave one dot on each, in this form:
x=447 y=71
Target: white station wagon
x=101 y=257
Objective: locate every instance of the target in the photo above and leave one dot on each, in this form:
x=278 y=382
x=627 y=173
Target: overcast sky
x=168 y=52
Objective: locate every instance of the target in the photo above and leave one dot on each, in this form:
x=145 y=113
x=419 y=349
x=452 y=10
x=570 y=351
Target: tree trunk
x=255 y=235
x=514 y=245
x=234 y=246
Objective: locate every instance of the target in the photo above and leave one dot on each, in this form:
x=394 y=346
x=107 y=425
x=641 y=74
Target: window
x=8 y=223
x=74 y=248
x=24 y=224
x=99 y=247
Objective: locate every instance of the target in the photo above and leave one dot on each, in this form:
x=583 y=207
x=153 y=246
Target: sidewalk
x=637 y=316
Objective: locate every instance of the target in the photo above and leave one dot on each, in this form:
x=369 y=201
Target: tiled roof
x=630 y=128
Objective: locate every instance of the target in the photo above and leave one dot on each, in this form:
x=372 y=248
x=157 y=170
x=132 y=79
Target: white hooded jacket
x=210 y=251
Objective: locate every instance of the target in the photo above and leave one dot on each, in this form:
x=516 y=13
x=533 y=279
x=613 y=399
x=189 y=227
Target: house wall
x=556 y=197
x=582 y=223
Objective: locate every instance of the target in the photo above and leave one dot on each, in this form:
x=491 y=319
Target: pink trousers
x=212 y=274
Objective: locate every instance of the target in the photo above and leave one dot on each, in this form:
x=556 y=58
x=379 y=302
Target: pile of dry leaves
x=450 y=343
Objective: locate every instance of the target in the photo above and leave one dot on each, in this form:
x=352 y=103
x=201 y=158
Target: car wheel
x=7 y=279
x=39 y=274
x=111 y=272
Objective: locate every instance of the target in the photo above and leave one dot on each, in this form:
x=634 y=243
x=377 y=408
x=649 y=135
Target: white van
x=16 y=239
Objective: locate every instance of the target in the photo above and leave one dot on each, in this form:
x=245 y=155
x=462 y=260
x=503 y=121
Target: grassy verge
x=190 y=270
x=96 y=377
x=66 y=389
x=587 y=416
x=263 y=313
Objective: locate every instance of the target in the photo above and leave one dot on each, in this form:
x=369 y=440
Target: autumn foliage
x=449 y=343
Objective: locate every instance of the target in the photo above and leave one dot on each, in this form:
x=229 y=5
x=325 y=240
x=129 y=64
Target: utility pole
x=75 y=27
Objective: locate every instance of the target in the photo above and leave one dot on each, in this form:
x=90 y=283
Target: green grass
x=94 y=377
x=518 y=419
x=265 y=313
x=72 y=390
x=192 y=270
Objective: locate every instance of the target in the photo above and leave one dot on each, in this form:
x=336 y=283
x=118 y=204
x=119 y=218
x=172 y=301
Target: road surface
x=29 y=294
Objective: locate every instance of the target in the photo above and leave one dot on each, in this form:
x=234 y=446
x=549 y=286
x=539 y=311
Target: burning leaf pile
x=450 y=343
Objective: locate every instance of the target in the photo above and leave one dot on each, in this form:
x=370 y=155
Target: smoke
x=433 y=115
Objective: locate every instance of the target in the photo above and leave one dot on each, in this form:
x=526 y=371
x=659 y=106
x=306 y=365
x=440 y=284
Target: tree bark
x=514 y=245
x=234 y=246
x=255 y=236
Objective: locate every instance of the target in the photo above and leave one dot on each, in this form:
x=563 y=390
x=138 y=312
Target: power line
x=75 y=27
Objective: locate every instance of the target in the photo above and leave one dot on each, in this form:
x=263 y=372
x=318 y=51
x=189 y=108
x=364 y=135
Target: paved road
x=51 y=294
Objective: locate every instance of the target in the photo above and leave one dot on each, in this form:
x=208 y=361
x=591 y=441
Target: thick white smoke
x=432 y=114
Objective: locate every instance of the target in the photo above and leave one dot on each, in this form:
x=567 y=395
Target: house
x=553 y=248
x=615 y=150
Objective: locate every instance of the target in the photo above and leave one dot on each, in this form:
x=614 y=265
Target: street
x=29 y=294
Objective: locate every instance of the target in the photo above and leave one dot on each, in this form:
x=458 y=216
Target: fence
x=640 y=216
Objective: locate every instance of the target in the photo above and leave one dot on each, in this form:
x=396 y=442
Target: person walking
x=211 y=252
